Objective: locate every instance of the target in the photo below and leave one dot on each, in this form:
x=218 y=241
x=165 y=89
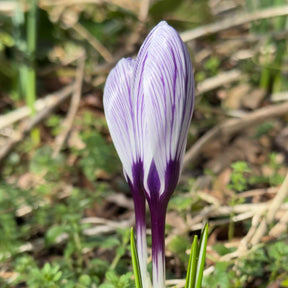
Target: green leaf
x=85 y=280
x=201 y=257
x=53 y=232
x=97 y=156
x=57 y=276
x=135 y=261
x=191 y=271
x=222 y=250
x=178 y=245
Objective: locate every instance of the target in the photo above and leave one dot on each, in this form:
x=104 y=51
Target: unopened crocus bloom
x=148 y=104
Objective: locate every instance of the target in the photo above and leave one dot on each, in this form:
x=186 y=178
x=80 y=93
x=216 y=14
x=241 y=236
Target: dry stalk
x=74 y=104
x=233 y=22
x=232 y=126
x=95 y=43
x=270 y=213
x=40 y=104
x=60 y=96
x=218 y=81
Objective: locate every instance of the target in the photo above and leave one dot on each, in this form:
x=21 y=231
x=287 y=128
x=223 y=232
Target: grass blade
x=191 y=271
x=30 y=69
x=201 y=257
x=135 y=261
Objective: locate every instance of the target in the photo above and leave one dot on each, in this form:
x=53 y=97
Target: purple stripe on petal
x=153 y=183
x=118 y=107
x=164 y=70
x=136 y=182
x=158 y=215
x=171 y=178
x=136 y=186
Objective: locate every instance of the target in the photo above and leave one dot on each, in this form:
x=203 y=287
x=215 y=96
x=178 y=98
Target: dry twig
x=60 y=96
x=144 y=10
x=7 y=6
x=124 y=4
x=40 y=104
x=232 y=126
x=280 y=96
x=94 y=42
x=67 y=123
x=218 y=81
x=232 y=22
x=260 y=221
x=271 y=212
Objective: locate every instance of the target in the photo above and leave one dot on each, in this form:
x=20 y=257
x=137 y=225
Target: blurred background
x=65 y=208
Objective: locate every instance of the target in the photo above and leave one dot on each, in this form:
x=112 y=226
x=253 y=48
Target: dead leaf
x=252 y=99
x=235 y=95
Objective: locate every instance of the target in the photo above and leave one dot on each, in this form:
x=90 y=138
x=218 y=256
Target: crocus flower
x=148 y=104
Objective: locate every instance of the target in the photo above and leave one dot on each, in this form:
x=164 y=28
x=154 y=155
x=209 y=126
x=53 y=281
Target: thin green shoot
x=191 y=271
x=201 y=257
x=135 y=261
x=30 y=91
x=197 y=261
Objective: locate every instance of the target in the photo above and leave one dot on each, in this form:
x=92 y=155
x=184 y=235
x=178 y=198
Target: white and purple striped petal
x=120 y=116
x=163 y=82
x=163 y=74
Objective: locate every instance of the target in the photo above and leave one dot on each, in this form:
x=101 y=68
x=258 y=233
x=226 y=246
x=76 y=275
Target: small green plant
x=272 y=63
x=275 y=178
x=11 y=198
x=212 y=65
x=48 y=277
x=238 y=183
x=42 y=163
x=264 y=129
x=54 y=123
x=179 y=245
x=222 y=277
x=269 y=260
x=239 y=180
x=96 y=156
x=116 y=281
